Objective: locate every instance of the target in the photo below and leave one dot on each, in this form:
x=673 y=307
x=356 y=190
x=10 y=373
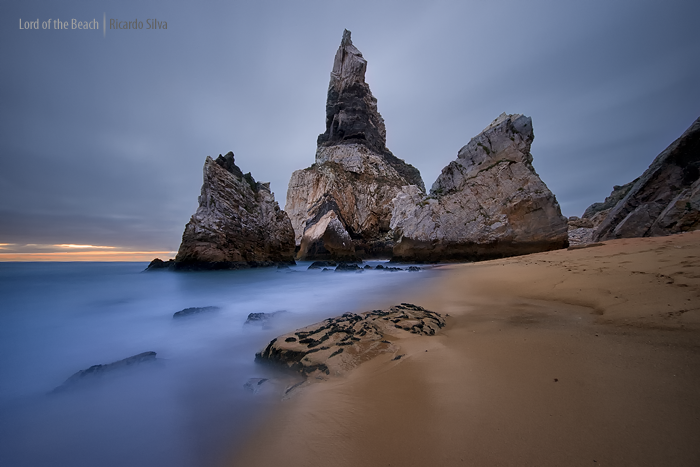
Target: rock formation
x=339 y=344
x=488 y=203
x=238 y=224
x=582 y=229
x=665 y=199
x=340 y=207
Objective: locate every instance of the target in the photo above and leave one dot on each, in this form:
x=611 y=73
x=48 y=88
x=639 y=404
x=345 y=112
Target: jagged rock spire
x=351 y=109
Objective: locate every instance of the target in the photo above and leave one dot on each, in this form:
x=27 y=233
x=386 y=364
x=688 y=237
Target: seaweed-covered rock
x=337 y=345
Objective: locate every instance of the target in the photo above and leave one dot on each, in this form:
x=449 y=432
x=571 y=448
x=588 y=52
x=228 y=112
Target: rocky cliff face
x=582 y=229
x=238 y=224
x=487 y=203
x=340 y=207
x=665 y=199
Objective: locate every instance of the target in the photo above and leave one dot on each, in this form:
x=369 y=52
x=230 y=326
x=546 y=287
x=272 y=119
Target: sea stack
x=666 y=199
x=238 y=223
x=488 y=203
x=340 y=207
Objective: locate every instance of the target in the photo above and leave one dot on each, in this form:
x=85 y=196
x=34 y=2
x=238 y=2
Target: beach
x=585 y=356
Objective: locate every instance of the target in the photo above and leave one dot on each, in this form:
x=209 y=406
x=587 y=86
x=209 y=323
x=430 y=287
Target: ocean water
x=189 y=407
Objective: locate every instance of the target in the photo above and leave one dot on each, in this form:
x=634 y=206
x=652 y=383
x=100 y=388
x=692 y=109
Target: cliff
x=340 y=207
x=238 y=223
x=665 y=199
x=488 y=203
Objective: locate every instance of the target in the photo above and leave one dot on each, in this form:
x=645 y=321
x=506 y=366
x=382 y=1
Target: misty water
x=187 y=408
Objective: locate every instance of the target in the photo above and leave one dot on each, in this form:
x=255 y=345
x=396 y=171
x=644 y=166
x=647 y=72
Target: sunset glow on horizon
x=70 y=245
x=135 y=256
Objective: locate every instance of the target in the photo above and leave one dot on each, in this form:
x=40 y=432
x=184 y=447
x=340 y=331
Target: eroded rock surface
x=666 y=199
x=340 y=207
x=488 y=203
x=238 y=223
x=337 y=345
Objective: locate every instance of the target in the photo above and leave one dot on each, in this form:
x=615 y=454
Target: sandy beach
x=572 y=357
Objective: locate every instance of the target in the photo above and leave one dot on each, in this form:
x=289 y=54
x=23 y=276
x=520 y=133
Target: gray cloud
x=102 y=139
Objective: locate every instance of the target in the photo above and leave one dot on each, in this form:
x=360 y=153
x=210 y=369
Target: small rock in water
x=347 y=267
x=253 y=384
x=322 y=264
x=159 y=264
x=413 y=268
x=97 y=371
x=262 y=318
x=194 y=310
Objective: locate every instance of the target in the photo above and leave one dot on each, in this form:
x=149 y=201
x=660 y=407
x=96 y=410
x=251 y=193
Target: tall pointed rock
x=340 y=207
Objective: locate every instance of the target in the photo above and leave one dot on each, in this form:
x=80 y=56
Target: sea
x=191 y=406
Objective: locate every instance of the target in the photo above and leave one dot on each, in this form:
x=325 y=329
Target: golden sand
x=584 y=357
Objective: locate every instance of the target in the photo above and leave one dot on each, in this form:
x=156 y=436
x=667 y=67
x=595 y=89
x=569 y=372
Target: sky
x=104 y=132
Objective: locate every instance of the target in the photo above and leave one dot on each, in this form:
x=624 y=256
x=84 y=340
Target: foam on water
x=188 y=408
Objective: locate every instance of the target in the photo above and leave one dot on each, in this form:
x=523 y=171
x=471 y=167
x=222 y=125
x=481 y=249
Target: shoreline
x=587 y=356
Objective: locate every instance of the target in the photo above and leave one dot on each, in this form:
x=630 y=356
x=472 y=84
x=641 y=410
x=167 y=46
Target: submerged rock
x=238 y=223
x=336 y=345
x=96 y=371
x=262 y=318
x=193 y=311
x=666 y=199
x=488 y=203
x=158 y=265
x=253 y=384
x=340 y=207
x=322 y=264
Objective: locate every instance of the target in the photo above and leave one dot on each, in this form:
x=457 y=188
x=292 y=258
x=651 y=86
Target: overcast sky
x=103 y=136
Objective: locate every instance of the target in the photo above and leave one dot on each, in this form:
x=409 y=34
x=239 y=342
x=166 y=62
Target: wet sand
x=565 y=358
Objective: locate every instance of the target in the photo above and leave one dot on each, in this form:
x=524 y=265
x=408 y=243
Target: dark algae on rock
x=337 y=345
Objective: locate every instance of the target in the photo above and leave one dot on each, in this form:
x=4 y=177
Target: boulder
x=488 y=203
x=238 y=223
x=340 y=207
x=337 y=345
x=666 y=199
